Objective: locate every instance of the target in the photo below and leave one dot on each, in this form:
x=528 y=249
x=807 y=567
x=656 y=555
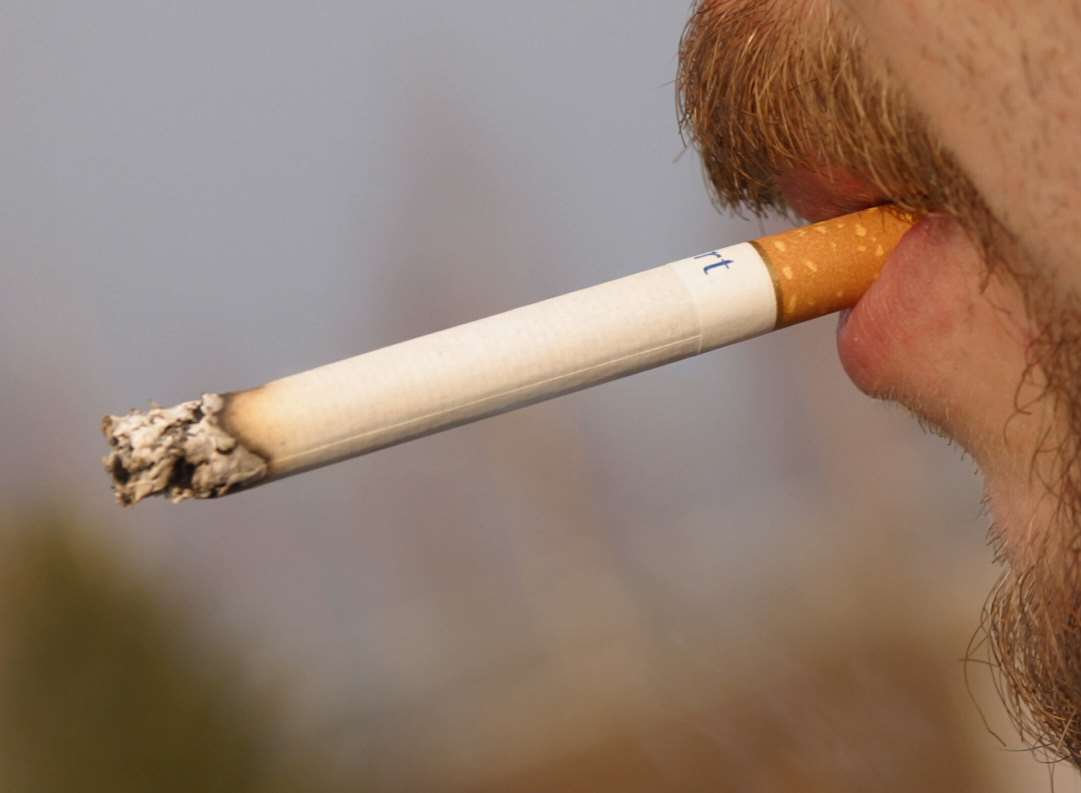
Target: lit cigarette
x=224 y=443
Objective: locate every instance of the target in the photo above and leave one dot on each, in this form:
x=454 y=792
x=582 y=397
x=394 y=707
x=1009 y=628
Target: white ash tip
x=180 y=452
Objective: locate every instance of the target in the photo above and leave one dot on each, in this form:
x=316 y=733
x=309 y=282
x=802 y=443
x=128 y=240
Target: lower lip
x=842 y=320
x=872 y=334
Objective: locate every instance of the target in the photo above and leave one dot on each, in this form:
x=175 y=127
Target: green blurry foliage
x=103 y=686
x=861 y=707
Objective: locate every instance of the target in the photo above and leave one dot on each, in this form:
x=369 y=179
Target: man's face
x=965 y=111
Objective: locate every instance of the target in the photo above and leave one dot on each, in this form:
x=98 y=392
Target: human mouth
x=905 y=309
x=823 y=194
x=929 y=333
x=826 y=193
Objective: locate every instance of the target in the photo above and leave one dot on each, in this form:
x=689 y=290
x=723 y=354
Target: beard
x=772 y=87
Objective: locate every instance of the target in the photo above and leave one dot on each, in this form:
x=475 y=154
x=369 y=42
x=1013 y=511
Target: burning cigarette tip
x=181 y=452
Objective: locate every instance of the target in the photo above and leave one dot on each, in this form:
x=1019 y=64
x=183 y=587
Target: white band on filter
x=733 y=293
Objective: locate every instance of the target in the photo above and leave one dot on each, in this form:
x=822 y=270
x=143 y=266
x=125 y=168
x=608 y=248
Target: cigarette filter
x=223 y=443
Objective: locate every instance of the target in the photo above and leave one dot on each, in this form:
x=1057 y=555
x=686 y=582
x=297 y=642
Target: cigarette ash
x=180 y=452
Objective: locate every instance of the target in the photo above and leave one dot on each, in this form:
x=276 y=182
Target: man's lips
x=827 y=193
x=925 y=334
x=872 y=336
x=864 y=332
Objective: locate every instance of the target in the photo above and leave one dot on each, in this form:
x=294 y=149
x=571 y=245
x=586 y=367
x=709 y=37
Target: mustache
x=767 y=88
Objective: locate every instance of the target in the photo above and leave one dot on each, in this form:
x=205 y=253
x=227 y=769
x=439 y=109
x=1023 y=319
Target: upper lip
x=826 y=193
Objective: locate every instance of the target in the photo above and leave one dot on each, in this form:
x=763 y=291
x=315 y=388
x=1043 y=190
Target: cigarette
x=224 y=443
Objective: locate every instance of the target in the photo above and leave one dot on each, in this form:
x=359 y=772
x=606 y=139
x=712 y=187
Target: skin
x=999 y=82
x=965 y=112
x=999 y=79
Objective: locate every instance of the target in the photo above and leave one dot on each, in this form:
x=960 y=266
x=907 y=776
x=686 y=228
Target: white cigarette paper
x=224 y=443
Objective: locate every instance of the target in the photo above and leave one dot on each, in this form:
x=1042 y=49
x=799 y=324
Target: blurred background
x=734 y=573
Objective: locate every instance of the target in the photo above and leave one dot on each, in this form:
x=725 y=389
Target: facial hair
x=768 y=87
